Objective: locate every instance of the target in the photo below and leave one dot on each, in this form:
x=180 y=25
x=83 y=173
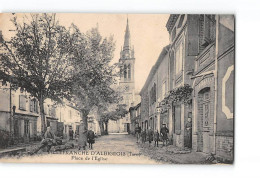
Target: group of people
x=85 y=136
x=50 y=139
x=151 y=135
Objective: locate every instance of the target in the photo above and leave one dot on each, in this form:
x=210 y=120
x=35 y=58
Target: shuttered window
x=31 y=105
x=34 y=105
x=207 y=30
x=22 y=102
x=179 y=58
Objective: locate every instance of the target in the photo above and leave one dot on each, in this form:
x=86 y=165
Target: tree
x=37 y=58
x=111 y=114
x=93 y=76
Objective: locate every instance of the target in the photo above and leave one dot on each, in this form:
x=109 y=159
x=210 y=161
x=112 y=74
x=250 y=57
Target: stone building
x=154 y=90
x=70 y=116
x=19 y=113
x=201 y=59
x=225 y=70
x=183 y=49
x=135 y=116
x=208 y=67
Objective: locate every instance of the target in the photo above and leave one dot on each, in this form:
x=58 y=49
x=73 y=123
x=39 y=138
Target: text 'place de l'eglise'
x=189 y=92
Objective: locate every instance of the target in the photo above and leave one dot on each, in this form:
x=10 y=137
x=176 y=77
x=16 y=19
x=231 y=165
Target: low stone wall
x=225 y=149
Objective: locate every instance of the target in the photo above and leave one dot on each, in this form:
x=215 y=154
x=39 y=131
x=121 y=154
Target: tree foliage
x=93 y=76
x=51 y=61
x=115 y=114
x=37 y=58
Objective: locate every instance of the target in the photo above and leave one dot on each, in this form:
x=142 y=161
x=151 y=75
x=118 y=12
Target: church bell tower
x=127 y=66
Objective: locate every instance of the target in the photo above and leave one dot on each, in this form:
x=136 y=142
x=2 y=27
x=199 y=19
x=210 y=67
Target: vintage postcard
x=117 y=88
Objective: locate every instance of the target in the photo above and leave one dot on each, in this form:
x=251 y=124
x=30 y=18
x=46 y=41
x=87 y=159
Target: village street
x=115 y=148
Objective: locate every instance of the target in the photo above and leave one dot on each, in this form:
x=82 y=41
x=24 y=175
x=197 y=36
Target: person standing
x=71 y=133
x=82 y=136
x=91 y=138
x=164 y=132
x=150 y=135
x=137 y=132
x=156 y=138
x=188 y=128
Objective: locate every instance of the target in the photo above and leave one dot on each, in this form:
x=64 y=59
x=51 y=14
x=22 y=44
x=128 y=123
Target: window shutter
x=31 y=105
x=201 y=31
x=193 y=35
x=207 y=29
x=22 y=102
x=36 y=106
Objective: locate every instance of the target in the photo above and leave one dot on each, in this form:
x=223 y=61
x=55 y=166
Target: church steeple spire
x=127 y=37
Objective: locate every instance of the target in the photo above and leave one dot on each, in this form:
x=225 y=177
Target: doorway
x=205 y=120
x=26 y=130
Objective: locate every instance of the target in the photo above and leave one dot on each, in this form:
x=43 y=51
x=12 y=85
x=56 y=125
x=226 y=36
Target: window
x=125 y=71
x=26 y=127
x=164 y=89
x=22 y=102
x=153 y=94
x=179 y=58
x=49 y=110
x=31 y=105
x=207 y=30
x=34 y=105
x=129 y=71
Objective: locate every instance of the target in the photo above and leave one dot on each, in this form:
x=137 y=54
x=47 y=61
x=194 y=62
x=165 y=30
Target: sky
x=148 y=35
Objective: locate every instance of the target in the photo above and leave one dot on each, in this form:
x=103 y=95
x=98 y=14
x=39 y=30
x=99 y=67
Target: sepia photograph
x=95 y=88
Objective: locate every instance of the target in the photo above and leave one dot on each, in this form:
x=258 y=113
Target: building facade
x=154 y=91
x=69 y=116
x=20 y=115
x=135 y=117
x=198 y=85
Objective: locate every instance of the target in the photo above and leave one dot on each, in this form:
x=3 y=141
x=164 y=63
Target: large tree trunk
x=101 y=125
x=43 y=125
x=106 y=128
x=85 y=117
